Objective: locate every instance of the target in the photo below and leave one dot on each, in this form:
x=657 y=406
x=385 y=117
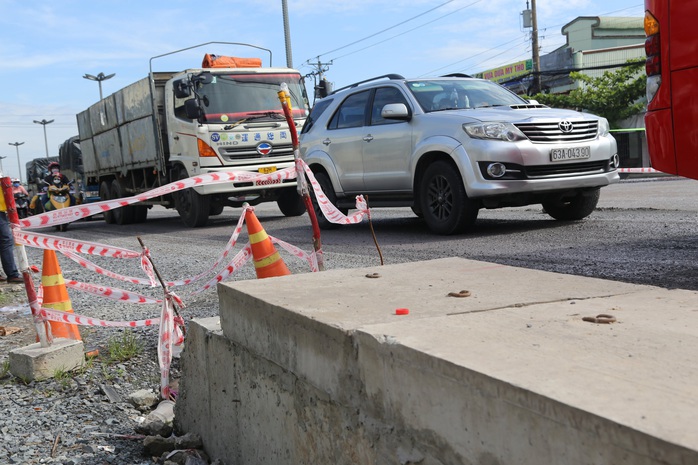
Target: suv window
x=315 y=113
x=382 y=97
x=351 y=113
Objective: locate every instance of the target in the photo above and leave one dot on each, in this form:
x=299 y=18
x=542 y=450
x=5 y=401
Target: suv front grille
x=240 y=153
x=551 y=132
x=567 y=169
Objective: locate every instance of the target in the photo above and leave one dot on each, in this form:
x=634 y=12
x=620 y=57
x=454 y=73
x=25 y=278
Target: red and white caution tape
x=638 y=170
x=45 y=241
x=70 y=214
x=235 y=264
x=165 y=340
x=310 y=258
x=85 y=263
x=75 y=319
x=331 y=212
x=170 y=327
x=112 y=293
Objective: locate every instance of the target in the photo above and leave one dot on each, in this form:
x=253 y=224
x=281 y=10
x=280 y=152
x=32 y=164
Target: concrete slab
x=322 y=370
x=34 y=362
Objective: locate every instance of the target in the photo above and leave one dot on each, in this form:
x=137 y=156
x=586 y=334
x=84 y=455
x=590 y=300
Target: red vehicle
x=672 y=85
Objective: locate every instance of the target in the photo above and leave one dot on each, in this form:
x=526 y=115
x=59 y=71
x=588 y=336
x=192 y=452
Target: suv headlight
x=603 y=127
x=497 y=131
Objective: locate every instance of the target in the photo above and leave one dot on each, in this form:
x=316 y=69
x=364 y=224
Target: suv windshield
x=438 y=94
x=234 y=97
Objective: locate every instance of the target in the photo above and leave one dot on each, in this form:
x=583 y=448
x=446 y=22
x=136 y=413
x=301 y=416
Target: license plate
x=267 y=169
x=572 y=153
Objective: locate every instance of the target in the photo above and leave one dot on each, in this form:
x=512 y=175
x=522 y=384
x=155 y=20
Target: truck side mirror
x=203 y=78
x=193 y=109
x=181 y=88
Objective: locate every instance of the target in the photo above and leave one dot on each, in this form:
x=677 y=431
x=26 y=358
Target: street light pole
x=43 y=122
x=99 y=78
x=19 y=165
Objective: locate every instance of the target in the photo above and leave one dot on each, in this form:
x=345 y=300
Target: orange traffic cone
x=56 y=296
x=267 y=261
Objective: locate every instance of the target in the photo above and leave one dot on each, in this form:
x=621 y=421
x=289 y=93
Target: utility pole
x=287 y=35
x=323 y=87
x=534 y=44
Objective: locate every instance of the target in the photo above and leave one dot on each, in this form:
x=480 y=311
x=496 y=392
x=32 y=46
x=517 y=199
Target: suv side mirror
x=397 y=111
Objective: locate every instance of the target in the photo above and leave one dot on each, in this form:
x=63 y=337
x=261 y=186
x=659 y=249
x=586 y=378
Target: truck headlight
x=497 y=131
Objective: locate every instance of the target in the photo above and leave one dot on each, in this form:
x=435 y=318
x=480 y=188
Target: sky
x=47 y=47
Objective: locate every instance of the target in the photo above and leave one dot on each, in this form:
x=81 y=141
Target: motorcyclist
x=54 y=171
x=18 y=188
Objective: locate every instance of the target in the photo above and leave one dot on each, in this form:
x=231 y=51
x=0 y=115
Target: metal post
x=19 y=165
x=99 y=78
x=536 y=53
x=43 y=122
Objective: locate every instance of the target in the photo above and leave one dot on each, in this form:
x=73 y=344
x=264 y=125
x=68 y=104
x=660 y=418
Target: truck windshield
x=436 y=94
x=234 y=97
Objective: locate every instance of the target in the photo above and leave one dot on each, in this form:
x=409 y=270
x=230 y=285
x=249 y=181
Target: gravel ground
x=72 y=420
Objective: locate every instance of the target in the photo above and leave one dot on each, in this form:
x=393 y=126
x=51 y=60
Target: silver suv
x=449 y=146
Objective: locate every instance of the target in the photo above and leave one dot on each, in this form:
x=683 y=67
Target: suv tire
x=573 y=208
x=290 y=202
x=326 y=186
x=444 y=203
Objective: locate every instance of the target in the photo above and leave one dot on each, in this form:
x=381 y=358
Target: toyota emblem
x=565 y=126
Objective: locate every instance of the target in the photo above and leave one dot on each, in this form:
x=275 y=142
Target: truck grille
x=551 y=133
x=242 y=153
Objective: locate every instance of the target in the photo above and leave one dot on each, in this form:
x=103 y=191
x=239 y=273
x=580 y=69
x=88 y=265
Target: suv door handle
x=326 y=142
x=368 y=138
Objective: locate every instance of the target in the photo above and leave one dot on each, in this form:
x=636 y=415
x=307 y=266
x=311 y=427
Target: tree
x=616 y=95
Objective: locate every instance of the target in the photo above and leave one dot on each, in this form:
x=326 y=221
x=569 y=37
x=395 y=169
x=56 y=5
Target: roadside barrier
x=260 y=248
x=637 y=170
x=55 y=296
x=267 y=261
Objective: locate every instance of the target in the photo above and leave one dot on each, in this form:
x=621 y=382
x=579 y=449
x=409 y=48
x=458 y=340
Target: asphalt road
x=645 y=231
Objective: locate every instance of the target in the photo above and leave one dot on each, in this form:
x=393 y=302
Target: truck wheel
x=290 y=203
x=216 y=209
x=122 y=215
x=192 y=207
x=105 y=194
x=140 y=213
x=445 y=205
x=327 y=188
x=565 y=208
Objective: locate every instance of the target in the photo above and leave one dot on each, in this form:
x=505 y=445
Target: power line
x=434 y=71
x=408 y=31
x=384 y=30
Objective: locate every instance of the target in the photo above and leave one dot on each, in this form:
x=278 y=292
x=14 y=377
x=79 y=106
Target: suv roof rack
x=457 y=75
x=389 y=76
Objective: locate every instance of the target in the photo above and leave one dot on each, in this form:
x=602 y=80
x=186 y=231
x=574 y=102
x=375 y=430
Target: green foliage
x=124 y=348
x=616 y=95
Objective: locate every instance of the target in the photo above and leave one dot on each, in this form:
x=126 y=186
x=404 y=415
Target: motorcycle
x=22 y=205
x=58 y=197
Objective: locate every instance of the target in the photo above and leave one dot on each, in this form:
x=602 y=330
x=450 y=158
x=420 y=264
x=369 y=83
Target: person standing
x=7 y=245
